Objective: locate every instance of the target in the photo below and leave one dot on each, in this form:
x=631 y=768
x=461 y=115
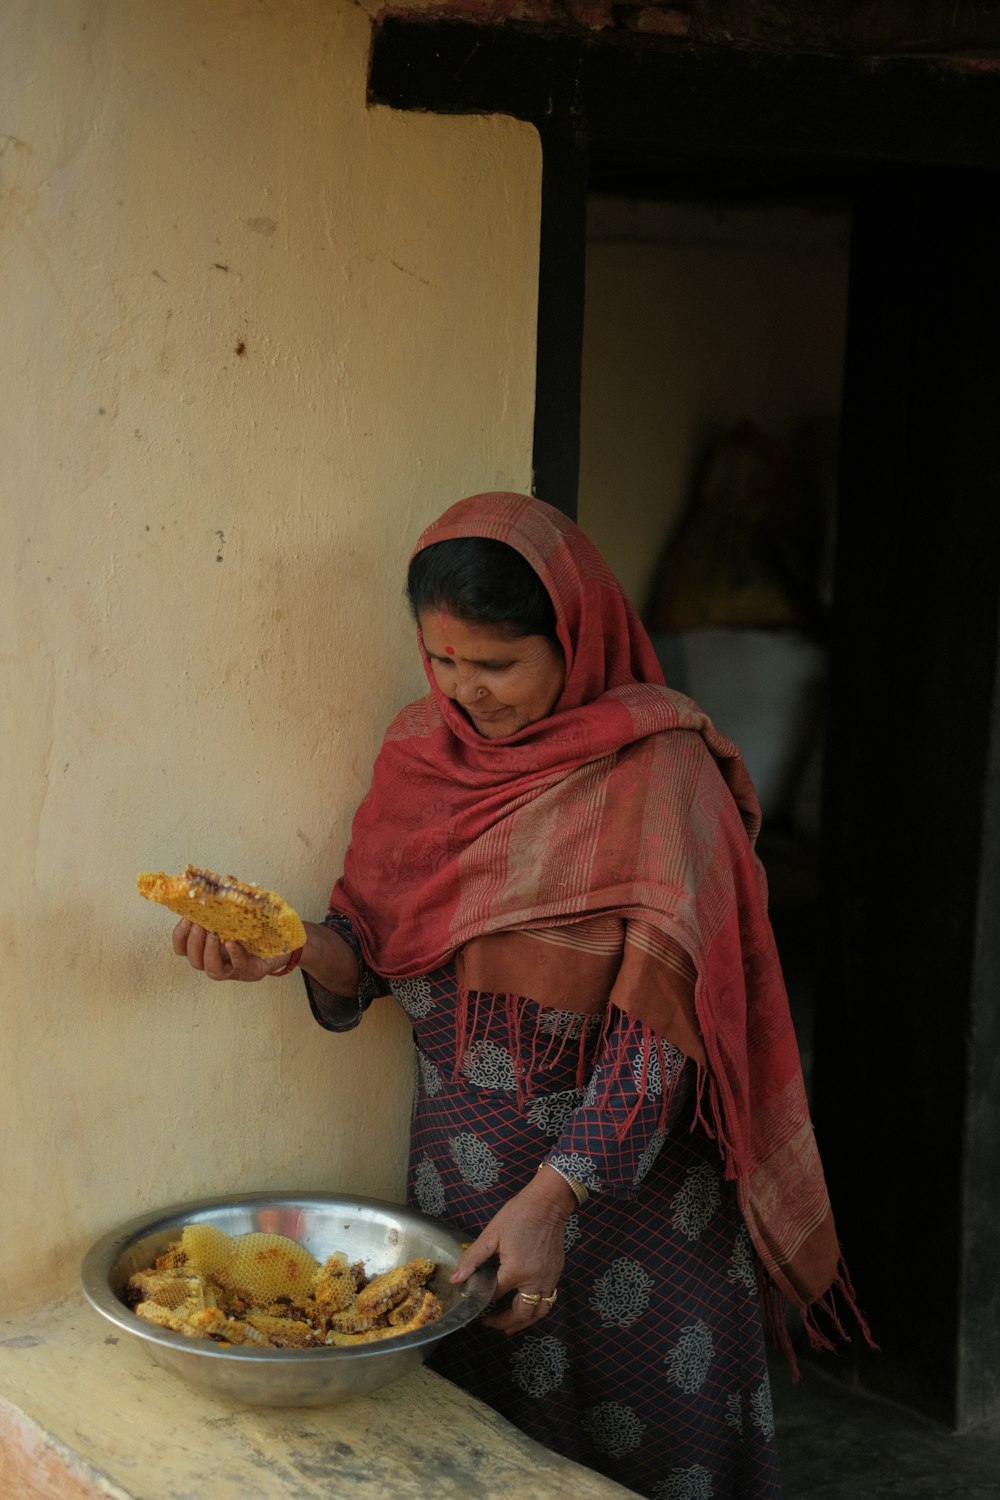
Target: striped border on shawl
x=594 y=935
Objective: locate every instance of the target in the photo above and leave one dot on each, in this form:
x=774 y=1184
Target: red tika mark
x=450 y=650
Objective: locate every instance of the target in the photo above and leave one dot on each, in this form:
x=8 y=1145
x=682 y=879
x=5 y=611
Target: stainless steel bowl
x=382 y=1235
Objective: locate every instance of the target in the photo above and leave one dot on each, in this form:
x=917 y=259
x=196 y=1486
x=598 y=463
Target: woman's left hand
x=527 y=1237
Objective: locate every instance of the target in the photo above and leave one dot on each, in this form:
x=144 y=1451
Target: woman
x=554 y=874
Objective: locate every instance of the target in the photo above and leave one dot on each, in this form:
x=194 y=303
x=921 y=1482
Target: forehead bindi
x=453 y=640
x=447 y=634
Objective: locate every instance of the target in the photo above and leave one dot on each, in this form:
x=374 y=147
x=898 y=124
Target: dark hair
x=483 y=582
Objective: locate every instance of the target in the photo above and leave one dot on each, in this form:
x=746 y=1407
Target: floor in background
x=838 y=1443
x=835 y=1441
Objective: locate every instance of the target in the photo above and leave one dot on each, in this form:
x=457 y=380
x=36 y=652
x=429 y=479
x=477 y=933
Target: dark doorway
x=906 y=1081
x=713 y=356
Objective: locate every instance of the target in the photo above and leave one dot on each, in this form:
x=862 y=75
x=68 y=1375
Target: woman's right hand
x=218 y=960
x=326 y=956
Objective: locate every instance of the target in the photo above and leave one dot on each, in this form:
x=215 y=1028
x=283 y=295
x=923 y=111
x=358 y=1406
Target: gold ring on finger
x=552 y=1298
x=533 y=1297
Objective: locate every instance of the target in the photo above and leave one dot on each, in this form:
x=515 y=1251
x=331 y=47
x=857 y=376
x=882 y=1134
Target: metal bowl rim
x=97 y=1264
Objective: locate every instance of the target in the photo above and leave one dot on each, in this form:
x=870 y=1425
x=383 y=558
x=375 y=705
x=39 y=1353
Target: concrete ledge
x=84 y=1414
x=34 y=1465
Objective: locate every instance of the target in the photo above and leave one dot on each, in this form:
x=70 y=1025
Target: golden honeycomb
x=204 y=1248
x=233 y=909
x=267 y=1289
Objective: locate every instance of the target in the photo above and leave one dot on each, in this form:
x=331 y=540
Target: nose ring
x=480 y=692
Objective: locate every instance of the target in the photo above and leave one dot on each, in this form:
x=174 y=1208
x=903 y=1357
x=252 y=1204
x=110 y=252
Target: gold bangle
x=580 y=1193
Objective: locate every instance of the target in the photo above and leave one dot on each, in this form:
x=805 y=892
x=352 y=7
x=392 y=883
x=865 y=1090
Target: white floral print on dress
x=652 y=1150
x=734 y=1412
x=430 y=1074
x=566 y=1023
x=646 y=1059
x=571 y=1233
x=694 y=1483
x=655 y=1058
x=673 y=1060
x=414 y=995
x=539 y=1365
x=429 y=1187
x=369 y=988
x=621 y=1295
x=580 y=1167
x=478 y=1165
x=614 y=1429
x=742 y=1267
x=490 y=1066
x=592 y=1090
x=688 y=1361
x=551 y=1111
x=696 y=1201
x=761 y=1410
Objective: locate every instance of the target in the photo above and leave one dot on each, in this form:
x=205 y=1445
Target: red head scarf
x=617 y=832
x=448 y=811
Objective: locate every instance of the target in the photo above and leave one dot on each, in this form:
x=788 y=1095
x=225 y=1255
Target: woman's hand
x=527 y=1236
x=326 y=956
x=218 y=960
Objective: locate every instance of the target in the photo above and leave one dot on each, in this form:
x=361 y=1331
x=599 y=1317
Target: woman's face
x=501 y=684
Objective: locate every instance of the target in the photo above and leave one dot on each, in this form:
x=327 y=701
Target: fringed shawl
x=603 y=856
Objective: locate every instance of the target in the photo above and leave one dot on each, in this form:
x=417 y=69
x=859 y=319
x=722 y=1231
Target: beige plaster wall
x=698 y=316
x=202 y=633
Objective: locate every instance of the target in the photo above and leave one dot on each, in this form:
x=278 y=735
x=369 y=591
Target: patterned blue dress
x=650 y=1367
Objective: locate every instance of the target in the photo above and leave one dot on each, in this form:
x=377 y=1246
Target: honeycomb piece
x=382 y=1331
x=344 y=1340
x=213 y=1323
x=284 y=1307
x=264 y=1267
x=256 y=1269
x=178 y=1319
x=171 y=1259
x=200 y=1323
x=336 y=1265
x=165 y=1317
x=350 y=1321
x=233 y=909
x=206 y=1320
x=169 y=1289
x=416 y=1310
x=430 y=1308
x=336 y=1286
x=284 y=1333
x=205 y=1248
x=385 y=1291
x=265 y=1289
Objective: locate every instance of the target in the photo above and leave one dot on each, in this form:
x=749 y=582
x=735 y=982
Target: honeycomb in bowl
x=266 y=1289
x=258 y=1267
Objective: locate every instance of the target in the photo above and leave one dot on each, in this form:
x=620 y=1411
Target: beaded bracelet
x=293 y=963
x=579 y=1191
